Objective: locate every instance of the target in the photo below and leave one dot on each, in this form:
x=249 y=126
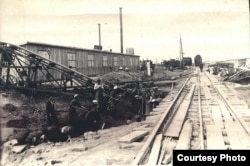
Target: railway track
x=204 y=115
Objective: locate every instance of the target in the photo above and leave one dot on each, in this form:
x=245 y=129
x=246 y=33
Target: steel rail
x=231 y=109
x=146 y=147
x=201 y=135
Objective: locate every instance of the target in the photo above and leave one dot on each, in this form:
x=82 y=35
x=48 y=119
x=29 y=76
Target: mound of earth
x=120 y=76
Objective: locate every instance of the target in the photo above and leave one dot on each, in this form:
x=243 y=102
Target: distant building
x=130 y=51
x=86 y=61
x=238 y=62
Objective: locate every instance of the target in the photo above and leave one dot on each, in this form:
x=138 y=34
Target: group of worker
x=142 y=97
x=148 y=97
x=74 y=119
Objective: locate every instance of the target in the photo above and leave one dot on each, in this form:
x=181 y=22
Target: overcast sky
x=215 y=29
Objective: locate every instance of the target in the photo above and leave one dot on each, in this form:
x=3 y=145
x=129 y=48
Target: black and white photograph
x=124 y=82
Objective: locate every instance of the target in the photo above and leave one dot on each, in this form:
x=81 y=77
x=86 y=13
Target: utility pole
x=121 y=35
x=99 y=29
x=181 y=54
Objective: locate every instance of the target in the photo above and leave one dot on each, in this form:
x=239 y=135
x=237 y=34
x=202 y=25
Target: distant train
x=171 y=64
x=198 y=61
x=187 y=61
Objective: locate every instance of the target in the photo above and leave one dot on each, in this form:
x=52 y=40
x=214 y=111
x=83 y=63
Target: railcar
x=171 y=64
x=187 y=61
x=198 y=60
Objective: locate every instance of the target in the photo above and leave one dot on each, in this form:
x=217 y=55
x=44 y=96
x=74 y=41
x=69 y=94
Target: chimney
x=99 y=29
x=121 y=30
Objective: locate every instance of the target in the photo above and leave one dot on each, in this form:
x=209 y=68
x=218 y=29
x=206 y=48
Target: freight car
x=198 y=61
x=171 y=64
x=187 y=61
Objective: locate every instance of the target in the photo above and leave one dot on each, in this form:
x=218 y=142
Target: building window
x=115 y=61
x=44 y=54
x=105 y=61
x=71 y=60
x=136 y=62
x=124 y=61
x=91 y=61
x=131 y=62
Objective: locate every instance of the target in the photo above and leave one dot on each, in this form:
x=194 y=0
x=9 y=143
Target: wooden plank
x=164 y=149
x=185 y=136
x=245 y=124
x=155 y=113
x=238 y=138
x=214 y=138
x=145 y=127
x=19 y=148
x=207 y=93
x=178 y=120
x=155 y=151
x=216 y=113
x=227 y=117
x=159 y=109
x=131 y=137
x=240 y=106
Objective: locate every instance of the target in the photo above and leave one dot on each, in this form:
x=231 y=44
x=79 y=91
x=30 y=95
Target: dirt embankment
x=20 y=112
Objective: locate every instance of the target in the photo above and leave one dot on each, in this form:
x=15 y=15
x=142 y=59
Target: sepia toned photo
x=122 y=82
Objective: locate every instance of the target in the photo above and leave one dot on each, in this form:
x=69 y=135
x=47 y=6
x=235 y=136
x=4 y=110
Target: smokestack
x=99 y=29
x=121 y=30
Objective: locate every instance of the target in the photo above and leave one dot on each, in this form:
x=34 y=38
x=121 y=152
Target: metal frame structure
x=27 y=65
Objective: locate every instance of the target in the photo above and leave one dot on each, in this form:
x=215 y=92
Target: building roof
x=68 y=47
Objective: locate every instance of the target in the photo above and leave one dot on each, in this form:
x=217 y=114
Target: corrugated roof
x=68 y=47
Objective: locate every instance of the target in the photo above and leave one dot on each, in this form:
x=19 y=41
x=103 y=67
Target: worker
x=89 y=88
x=51 y=115
x=74 y=104
x=96 y=117
x=111 y=102
x=98 y=88
x=201 y=66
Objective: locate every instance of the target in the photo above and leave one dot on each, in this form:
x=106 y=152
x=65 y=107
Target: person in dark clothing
x=111 y=102
x=74 y=104
x=84 y=120
x=95 y=119
x=51 y=115
x=89 y=88
x=201 y=66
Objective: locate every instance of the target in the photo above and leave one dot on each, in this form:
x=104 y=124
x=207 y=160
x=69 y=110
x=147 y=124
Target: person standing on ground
x=51 y=115
x=98 y=88
x=74 y=104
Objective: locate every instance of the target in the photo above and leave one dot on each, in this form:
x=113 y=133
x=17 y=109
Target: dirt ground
x=78 y=151
x=243 y=92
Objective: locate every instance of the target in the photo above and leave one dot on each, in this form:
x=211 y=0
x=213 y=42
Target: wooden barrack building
x=87 y=61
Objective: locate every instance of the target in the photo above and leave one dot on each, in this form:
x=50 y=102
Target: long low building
x=87 y=61
x=238 y=62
